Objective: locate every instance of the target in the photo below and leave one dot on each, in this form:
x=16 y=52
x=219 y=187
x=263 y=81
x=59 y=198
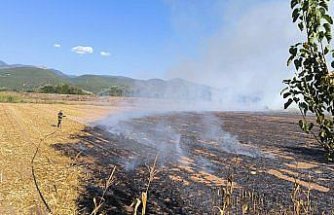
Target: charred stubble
x=197 y=154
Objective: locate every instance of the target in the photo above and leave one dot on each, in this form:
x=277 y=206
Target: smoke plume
x=245 y=58
x=172 y=135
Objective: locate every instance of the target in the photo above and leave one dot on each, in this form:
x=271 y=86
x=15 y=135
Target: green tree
x=311 y=88
x=47 y=89
x=61 y=89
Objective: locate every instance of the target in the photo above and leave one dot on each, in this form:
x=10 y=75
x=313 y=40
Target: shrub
x=62 y=89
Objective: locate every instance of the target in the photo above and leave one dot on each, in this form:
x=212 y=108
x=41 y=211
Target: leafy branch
x=312 y=86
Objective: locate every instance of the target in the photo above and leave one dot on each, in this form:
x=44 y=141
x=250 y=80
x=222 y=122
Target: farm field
x=23 y=127
x=199 y=154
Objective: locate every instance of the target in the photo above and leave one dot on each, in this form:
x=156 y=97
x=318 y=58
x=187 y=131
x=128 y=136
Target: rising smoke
x=172 y=135
x=244 y=56
x=243 y=63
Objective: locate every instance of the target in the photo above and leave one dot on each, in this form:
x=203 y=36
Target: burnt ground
x=263 y=153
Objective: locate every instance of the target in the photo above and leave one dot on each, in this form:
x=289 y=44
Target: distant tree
x=65 y=89
x=312 y=86
x=47 y=89
x=61 y=89
x=116 y=91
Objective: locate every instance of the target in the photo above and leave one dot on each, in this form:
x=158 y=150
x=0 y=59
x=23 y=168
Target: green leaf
x=328 y=36
x=327 y=27
x=295 y=14
x=297 y=63
x=294 y=3
x=285 y=89
x=288 y=103
x=309 y=78
x=290 y=60
x=328 y=19
x=302 y=124
x=293 y=50
x=301 y=26
x=287 y=94
x=310 y=126
x=322 y=134
x=324 y=5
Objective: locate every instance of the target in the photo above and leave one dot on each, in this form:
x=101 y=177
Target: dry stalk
x=75 y=159
x=226 y=193
x=301 y=198
x=152 y=173
x=246 y=202
x=109 y=182
x=152 y=170
x=251 y=202
x=135 y=204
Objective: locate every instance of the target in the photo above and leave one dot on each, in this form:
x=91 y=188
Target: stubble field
x=264 y=155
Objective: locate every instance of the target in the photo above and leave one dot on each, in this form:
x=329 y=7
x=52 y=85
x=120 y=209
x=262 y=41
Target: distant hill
x=2 y=63
x=99 y=83
x=29 y=78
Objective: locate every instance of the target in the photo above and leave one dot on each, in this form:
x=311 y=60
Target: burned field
x=198 y=153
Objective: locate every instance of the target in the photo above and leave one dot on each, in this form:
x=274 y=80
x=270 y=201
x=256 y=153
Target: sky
x=238 y=45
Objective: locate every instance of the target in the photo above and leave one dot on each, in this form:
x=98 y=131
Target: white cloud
x=56 y=45
x=105 y=54
x=82 y=50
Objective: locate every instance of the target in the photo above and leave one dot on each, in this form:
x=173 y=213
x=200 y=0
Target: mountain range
x=20 y=77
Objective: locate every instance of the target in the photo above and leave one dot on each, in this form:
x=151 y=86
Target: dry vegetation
x=24 y=127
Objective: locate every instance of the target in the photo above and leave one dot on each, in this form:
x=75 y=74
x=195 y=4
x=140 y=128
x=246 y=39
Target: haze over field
x=246 y=55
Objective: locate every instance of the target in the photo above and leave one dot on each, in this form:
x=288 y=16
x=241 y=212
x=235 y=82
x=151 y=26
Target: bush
x=115 y=91
x=5 y=98
x=62 y=89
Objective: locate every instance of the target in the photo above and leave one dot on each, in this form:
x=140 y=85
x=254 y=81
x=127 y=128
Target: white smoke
x=171 y=140
x=242 y=56
x=246 y=53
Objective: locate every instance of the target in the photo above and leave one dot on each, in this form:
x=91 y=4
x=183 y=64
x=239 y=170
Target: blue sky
x=131 y=32
x=144 y=38
x=230 y=44
x=141 y=36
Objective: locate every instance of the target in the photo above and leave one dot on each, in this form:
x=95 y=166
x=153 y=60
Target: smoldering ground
x=169 y=134
x=211 y=146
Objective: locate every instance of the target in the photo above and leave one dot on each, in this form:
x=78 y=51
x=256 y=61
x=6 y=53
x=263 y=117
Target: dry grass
x=10 y=97
x=251 y=202
x=22 y=127
x=229 y=202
